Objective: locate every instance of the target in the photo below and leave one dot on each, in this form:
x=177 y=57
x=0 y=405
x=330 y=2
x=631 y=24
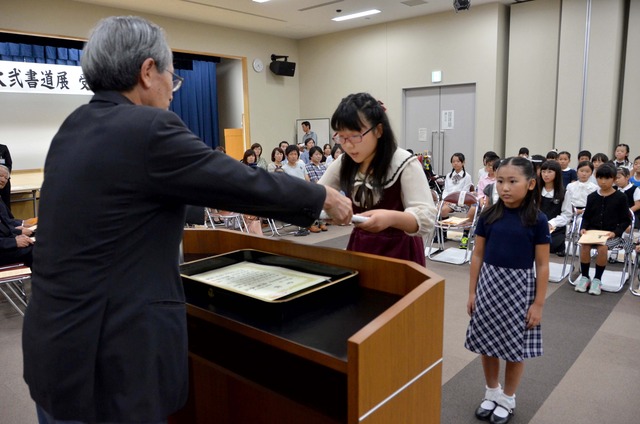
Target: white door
x=441 y=120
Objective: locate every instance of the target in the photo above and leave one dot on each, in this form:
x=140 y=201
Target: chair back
x=461 y=198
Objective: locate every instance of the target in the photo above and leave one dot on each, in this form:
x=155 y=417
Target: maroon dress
x=391 y=242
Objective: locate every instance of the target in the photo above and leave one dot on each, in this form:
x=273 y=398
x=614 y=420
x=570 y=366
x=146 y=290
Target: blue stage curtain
x=197 y=101
x=41 y=54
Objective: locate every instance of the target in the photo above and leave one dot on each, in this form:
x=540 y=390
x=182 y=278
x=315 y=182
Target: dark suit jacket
x=5 y=159
x=8 y=230
x=104 y=335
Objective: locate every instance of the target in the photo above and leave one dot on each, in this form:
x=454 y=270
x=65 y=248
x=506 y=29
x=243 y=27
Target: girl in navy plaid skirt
x=506 y=294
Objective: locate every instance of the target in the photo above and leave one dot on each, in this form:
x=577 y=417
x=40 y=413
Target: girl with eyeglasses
x=385 y=183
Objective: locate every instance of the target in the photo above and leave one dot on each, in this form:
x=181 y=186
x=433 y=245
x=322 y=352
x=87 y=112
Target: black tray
x=341 y=286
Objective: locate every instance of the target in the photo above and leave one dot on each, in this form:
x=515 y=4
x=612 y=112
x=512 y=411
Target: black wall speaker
x=286 y=69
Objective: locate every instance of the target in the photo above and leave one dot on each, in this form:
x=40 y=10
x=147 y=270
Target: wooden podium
x=377 y=369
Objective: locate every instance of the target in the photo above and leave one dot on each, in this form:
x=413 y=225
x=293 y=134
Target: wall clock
x=258 y=66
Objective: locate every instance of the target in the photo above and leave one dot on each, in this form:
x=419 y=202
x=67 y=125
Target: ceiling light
x=260 y=1
x=356 y=15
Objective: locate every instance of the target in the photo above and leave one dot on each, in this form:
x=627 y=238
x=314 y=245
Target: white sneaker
x=582 y=284
x=596 y=285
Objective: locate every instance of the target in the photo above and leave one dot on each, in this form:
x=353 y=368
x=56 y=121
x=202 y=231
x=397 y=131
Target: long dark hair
x=558 y=184
x=530 y=204
x=357 y=112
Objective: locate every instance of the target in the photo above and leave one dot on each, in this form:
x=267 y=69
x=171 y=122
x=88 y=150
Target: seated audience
x=569 y=174
x=551 y=199
x=456 y=180
x=326 y=152
x=316 y=170
x=315 y=167
x=631 y=191
x=584 y=155
x=308 y=144
x=487 y=157
x=606 y=210
x=296 y=168
x=577 y=192
x=250 y=158
x=597 y=160
x=336 y=151
x=15 y=239
x=635 y=177
x=621 y=156
x=277 y=156
x=260 y=161
x=252 y=222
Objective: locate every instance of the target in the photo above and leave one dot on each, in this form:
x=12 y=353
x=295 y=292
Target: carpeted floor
x=589 y=373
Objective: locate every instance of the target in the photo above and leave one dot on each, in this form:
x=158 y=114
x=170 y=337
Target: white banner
x=24 y=77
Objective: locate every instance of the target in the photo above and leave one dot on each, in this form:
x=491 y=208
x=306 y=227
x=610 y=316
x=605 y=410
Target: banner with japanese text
x=25 y=77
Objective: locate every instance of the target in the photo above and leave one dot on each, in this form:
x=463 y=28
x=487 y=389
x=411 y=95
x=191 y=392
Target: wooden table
x=25 y=187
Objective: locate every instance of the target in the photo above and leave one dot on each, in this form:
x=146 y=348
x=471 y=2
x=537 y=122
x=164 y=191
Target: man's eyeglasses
x=177 y=81
x=354 y=139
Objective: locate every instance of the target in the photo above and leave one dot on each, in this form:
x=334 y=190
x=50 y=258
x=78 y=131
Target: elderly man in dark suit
x=104 y=336
x=5 y=159
x=15 y=241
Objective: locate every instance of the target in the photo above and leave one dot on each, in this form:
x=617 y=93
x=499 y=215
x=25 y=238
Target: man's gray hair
x=6 y=168
x=117 y=47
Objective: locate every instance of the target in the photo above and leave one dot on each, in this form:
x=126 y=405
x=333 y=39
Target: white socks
x=503 y=402
x=491 y=397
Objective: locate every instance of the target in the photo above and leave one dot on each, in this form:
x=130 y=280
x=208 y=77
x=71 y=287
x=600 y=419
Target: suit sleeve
x=182 y=167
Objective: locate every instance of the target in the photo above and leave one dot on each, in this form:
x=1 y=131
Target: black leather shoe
x=484 y=414
x=499 y=420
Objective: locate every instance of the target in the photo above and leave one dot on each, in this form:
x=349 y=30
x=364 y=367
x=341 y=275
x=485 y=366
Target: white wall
x=629 y=122
x=468 y=47
x=385 y=59
x=273 y=101
x=552 y=102
x=533 y=65
x=29 y=121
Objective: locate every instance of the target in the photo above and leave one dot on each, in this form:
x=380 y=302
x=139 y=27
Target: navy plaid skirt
x=498 y=326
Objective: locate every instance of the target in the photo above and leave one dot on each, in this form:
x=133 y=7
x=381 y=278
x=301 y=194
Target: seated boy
x=606 y=210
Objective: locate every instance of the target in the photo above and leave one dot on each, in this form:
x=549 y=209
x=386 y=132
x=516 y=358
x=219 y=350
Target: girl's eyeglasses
x=354 y=139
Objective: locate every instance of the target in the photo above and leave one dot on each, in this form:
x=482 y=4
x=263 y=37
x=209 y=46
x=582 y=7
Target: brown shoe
x=314 y=229
x=323 y=227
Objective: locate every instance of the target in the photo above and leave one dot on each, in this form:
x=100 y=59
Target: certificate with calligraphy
x=263 y=282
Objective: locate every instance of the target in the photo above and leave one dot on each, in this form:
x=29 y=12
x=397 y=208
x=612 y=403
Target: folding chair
x=610 y=280
x=12 y=277
x=634 y=283
x=230 y=220
x=463 y=200
x=558 y=272
x=273 y=227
